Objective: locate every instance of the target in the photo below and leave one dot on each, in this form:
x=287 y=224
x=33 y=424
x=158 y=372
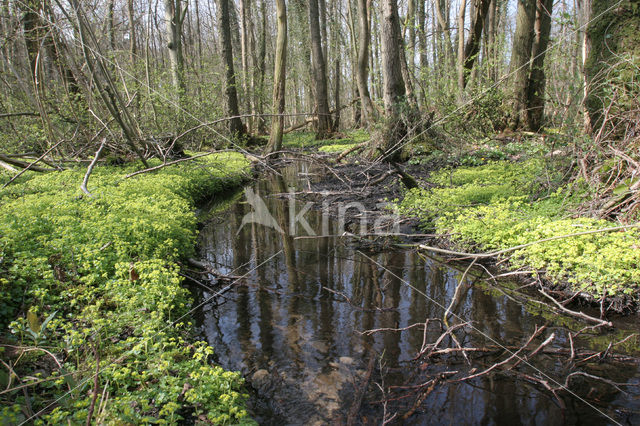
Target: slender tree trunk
x=442 y=6
x=362 y=73
x=520 y=58
x=110 y=25
x=461 y=13
x=173 y=21
x=133 y=53
x=491 y=41
x=235 y=123
x=422 y=49
x=279 y=79
x=245 y=33
x=537 y=79
x=472 y=46
x=262 y=65
x=336 y=118
x=323 y=127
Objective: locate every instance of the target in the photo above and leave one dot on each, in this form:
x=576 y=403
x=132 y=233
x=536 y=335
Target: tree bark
x=612 y=34
x=520 y=57
x=323 y=126
x=460 y=67
x=393 y=84
x=174 y=17
x=422 y=48
x=537 y=78
x=279 y=79
x=362 y=74
x=262 y=66
x=472 y=46
x=236 y=128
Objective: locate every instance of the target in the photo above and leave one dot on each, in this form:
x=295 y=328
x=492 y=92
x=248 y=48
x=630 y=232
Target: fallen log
x=23 y=164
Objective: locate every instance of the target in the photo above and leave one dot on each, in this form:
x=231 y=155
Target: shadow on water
x=294 y=327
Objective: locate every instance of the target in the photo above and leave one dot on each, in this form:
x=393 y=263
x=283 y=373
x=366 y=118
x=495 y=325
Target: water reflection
x=295 y=328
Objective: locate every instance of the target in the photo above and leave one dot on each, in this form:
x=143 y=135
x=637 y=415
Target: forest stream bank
x=333 y=322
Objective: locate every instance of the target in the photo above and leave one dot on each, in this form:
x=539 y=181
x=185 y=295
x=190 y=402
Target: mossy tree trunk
x=612 y=50
x=520 y=58
x=537 y=77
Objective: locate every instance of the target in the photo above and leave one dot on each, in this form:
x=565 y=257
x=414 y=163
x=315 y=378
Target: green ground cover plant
x=505 y=204
x=87 y=280
x=307 y=141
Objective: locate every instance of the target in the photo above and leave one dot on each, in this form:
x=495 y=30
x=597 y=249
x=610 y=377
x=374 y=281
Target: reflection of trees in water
x=277 y=325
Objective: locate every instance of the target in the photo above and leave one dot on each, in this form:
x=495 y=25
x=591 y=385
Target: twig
x=574 y=313
x=535 y=334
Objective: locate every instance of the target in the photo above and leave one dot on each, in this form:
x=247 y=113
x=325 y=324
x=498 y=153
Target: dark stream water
x=301 y=349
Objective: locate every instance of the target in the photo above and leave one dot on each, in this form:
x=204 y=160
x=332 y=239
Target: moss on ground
x=98 y=278
x=506 y=204
x=307 y=141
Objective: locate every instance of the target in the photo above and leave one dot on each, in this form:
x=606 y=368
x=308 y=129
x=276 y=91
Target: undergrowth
x=86 y=280
x=506 y=204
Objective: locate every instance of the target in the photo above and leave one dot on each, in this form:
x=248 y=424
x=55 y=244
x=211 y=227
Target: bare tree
x=174 y=15
x=235 y=124
x=319 y=68
x=362 y=73
x=279 y=79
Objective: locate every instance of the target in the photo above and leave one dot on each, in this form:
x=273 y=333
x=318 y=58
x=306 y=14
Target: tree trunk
x=173 y=20
x=460 y=67
x=472 y=46
x=520 y=57
x=422 y=48
x=235 y=124
x=279 y=79
x=323 y=126
x=612 y=49
x=262 y=66
x=393 y=84
x=362 y=73
x=537 y=78
x=245 y=35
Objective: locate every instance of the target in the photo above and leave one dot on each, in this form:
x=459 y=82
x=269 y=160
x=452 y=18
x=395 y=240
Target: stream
x=295 y=327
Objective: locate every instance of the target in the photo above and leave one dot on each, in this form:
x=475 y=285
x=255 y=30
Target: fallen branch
x=85 y=181
x=357 y=401
x=535 y=334
x=574 y=313
x=211 y=270
x=350 y=150
x=19 y=114
x=31 y=164
x=170 y=163
x=23 y=164
x=510 y=249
